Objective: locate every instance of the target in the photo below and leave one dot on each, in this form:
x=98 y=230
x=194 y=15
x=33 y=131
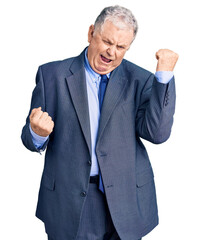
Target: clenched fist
x=41 y=122
x=166 y=60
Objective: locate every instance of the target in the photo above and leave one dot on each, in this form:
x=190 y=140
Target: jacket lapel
x=116 y=85
x=78 y=90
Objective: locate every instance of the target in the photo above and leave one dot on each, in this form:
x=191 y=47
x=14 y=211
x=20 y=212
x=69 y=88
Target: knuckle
x=38 y=109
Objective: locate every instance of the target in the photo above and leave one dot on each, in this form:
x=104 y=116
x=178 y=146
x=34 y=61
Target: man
x=90 y=112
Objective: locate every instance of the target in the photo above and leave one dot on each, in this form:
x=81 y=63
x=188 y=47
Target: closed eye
x=121 y=47
x=107 y=42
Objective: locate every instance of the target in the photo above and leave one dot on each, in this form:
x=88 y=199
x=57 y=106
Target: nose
x=111 y=50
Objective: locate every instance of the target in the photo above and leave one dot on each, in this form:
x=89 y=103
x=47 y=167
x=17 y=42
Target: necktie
x=102 y=89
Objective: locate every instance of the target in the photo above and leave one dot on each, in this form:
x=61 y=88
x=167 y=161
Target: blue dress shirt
x=92 y=83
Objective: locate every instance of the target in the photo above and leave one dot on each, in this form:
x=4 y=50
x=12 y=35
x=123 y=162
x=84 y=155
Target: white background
x=36 y=32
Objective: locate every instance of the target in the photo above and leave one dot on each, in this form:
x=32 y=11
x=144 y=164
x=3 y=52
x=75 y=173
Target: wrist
x=37 y=136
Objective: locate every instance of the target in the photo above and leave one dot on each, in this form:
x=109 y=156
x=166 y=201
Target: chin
x=101 y=70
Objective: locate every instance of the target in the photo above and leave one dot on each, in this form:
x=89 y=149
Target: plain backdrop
x=35 y=32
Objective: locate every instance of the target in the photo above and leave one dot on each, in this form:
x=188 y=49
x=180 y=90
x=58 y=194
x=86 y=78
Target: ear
x=90 y=33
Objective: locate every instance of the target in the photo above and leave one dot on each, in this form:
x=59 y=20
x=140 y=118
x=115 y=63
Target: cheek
x=119 y=57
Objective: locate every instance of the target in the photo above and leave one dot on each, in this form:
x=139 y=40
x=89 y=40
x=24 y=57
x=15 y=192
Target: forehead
x=111 y=32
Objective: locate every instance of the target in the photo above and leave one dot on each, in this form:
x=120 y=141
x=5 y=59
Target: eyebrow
x=110 y=42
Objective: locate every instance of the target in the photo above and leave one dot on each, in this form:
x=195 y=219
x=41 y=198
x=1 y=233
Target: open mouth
x=106 y=60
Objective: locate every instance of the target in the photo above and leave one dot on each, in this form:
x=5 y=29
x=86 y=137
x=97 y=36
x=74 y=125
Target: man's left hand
x=166 y=60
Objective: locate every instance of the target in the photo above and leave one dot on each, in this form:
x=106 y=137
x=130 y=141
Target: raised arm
x=157 y=105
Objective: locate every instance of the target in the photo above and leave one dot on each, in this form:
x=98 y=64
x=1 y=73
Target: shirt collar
x=95 y=76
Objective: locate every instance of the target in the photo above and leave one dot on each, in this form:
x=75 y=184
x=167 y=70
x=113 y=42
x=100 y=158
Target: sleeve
x=154 y=116
x=38 y=100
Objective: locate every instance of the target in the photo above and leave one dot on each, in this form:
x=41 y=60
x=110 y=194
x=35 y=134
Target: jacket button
x=83 y=194
x=89 y=162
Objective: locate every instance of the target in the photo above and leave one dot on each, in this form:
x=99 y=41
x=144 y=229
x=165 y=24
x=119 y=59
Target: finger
x=44 y=116
x=50 y=123
x=52 y=126
x=157 y=55
x=37 y=114
x=49 y=120
x=34 y=111
x=49 y=127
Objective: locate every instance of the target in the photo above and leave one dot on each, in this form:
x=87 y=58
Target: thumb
x=34 y=110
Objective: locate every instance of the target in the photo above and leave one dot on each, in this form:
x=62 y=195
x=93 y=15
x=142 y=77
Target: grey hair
x=121 y=17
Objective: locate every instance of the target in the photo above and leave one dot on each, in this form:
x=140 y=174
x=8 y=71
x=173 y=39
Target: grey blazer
x=135 y=106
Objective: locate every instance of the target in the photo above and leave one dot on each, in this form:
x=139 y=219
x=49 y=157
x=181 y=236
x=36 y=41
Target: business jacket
x=135 y=106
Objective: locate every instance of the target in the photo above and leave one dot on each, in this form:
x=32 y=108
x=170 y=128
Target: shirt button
x=89 y=162
x=83 y=194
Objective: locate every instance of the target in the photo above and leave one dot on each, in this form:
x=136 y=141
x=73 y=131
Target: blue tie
x=102 y=89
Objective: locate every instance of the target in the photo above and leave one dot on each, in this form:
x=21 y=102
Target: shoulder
x=63 y=66
x=56 y=67
x=135 y=70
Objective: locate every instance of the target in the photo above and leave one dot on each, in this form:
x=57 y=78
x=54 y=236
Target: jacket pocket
x=48 y=182
x=144 y=177
x=146 y=195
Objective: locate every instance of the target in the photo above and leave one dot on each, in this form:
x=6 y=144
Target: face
x=107 y=47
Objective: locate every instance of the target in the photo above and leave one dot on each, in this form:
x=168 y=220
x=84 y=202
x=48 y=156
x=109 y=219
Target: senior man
x=90 y=112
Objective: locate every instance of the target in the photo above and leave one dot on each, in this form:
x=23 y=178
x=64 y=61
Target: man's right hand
x=41 y=122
